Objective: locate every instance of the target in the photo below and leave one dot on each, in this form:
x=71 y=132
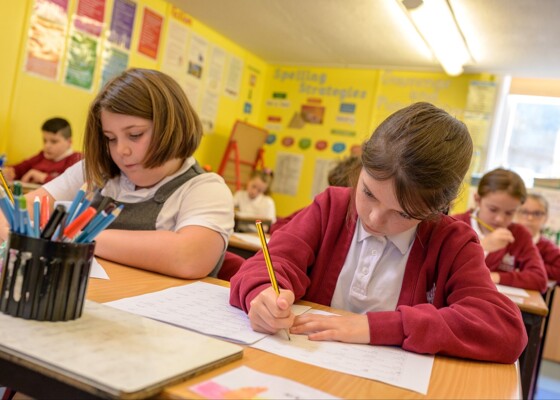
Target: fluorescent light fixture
x=436 y=23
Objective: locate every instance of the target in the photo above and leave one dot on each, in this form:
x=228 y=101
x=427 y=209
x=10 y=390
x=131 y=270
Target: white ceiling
x=516 y=37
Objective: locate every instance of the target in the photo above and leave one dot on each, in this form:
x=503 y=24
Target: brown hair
x=346 y=172
x=147 y=94
x=266 y=175
x=426 y=151
x=541 y=199
x=58 y=125
x=502 y=180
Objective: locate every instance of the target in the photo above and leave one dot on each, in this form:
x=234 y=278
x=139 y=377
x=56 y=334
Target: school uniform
x=52 y=168
x=518 y=264
x=550 y=254
x=447 y=303
x=182 y=199
x=261 y=206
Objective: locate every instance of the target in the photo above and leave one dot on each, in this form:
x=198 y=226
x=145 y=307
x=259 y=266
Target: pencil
x=484 y=224
x=6 y=187
x=268 y=262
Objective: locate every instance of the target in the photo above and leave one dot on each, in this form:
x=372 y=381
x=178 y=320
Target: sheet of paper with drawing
x=391 y=365
x=199 y=306
x=111 y=353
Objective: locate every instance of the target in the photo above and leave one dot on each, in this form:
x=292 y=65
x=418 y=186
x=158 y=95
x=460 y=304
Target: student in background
x=140 y=136
x=384 y=251
x=255 y=202
x=56 y=156
x=533 y=215
x=511 y=255
x=344 y=174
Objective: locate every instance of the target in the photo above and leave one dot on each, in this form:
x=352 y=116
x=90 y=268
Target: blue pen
x=25 y=221
x=106 y=222
x=36 y=216
x=7 y=208
x=17 y=217
x=100 y=217
x=76 y=202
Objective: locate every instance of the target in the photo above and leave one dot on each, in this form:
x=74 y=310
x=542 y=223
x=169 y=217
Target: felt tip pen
x=7 y=208
x=76 y=202
x=104 y=224
x=78 y=223
x=36 y=216
x=58 y=214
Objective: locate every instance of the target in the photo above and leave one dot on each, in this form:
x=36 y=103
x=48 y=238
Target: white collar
x=402 y=241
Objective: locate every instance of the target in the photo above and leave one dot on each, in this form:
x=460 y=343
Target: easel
x=244 y=153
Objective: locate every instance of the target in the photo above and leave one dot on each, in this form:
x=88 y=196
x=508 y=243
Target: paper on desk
x=249 y=238
x=246 y=383
x=96 y=270
x=391 y=365
x=200 y=306
x=508 y=290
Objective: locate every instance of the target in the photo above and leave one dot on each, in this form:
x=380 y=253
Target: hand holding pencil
x=271 y=310
x=496 y=238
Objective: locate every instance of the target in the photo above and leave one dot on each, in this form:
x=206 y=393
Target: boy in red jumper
x=412 y=276
x=56 y=156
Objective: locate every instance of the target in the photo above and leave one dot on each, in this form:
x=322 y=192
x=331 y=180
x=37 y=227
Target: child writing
x=56 y=156
x=511 y=255
x=533 y=215
x=384 y=251
x=140 y=136
x=255 y=202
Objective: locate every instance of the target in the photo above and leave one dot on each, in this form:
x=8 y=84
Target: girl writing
x=255 y=202
x=139 y=142
x=384 y=251
x=533 y=215
x=511 y=255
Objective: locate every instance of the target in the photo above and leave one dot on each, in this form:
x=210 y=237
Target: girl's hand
x=496 y=240
x=270 y=312
x=346 y=328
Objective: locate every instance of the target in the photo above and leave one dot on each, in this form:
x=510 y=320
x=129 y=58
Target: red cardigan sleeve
x=24 y=166
x=550 y=254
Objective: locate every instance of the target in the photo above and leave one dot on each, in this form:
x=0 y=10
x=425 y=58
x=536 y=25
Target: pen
x=102 y=225
x=36 y=216
x=484 y=224
x=77 y=224
x=6 y=187
x=268 y=262
x=76 y=202
x=57 y=216
x=7 y=208
x=45 y=211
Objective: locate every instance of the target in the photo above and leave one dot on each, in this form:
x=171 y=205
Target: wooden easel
x=244 y=153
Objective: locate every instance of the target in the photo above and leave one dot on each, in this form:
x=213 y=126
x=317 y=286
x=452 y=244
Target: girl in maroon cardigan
x=411 y=276
x=511 y=256
x=533 y=215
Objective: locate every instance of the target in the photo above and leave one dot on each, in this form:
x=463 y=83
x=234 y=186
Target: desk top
x=451 y=377
x=534 y=304
x=237 y=240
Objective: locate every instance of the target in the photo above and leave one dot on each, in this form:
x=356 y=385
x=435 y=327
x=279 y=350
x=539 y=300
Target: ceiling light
x=435 y=22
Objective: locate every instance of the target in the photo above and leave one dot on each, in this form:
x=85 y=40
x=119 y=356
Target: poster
x=175 y=53
x=287 y=173
x=122 y=23
x=115 y=61
x=46 y=37
x=197 y=56
x=82 y=57
x=233 y=77
x=89 y=16
x=150 y=33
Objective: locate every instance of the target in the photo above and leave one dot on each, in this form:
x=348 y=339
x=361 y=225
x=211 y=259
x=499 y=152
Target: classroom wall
x=315 y=116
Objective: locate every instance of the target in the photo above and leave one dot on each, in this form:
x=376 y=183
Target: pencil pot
x=44 y=280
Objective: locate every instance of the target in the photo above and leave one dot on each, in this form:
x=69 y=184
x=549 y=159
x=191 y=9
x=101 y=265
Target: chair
x=230 y=266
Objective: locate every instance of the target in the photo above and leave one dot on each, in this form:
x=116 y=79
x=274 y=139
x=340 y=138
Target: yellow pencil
x=268 y=262
x=484 y=224
x=6 y=187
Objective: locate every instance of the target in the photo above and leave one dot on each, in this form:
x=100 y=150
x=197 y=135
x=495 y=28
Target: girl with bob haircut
x=385 y=251
x=140 y=137
x=511 y=255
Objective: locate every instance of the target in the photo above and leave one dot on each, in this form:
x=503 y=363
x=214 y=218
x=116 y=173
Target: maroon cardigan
x=465 y=316
x=50 y=167
x=529 y=272
x=550 y=254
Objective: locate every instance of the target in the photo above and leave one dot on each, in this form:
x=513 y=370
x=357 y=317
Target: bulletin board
x=243 y=154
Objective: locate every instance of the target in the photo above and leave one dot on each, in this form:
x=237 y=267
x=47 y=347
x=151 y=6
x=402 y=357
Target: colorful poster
x=82 y=56
x=89 y=16
x=114 y=62
x=313 y=114
x=47 y=33
x=122 y=23
x=150 y=33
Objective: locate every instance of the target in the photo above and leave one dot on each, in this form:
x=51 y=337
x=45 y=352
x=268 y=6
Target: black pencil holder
x=44 y=280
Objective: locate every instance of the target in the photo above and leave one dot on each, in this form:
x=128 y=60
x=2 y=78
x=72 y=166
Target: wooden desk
x=241 y=247
x=451 y=378
x=534 y=312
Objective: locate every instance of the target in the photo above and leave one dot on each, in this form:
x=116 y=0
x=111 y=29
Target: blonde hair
x=147 y=94
x=266 y=175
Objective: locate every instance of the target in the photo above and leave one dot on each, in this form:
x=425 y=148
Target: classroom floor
x=548 y=384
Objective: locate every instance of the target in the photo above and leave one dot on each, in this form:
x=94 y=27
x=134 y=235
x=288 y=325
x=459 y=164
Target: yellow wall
x=28 y=100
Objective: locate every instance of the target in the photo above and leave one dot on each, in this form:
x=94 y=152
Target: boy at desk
x=140 y=137
x=57 y=155
x=384 y=250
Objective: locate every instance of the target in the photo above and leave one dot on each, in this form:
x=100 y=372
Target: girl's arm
x=190 y=253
